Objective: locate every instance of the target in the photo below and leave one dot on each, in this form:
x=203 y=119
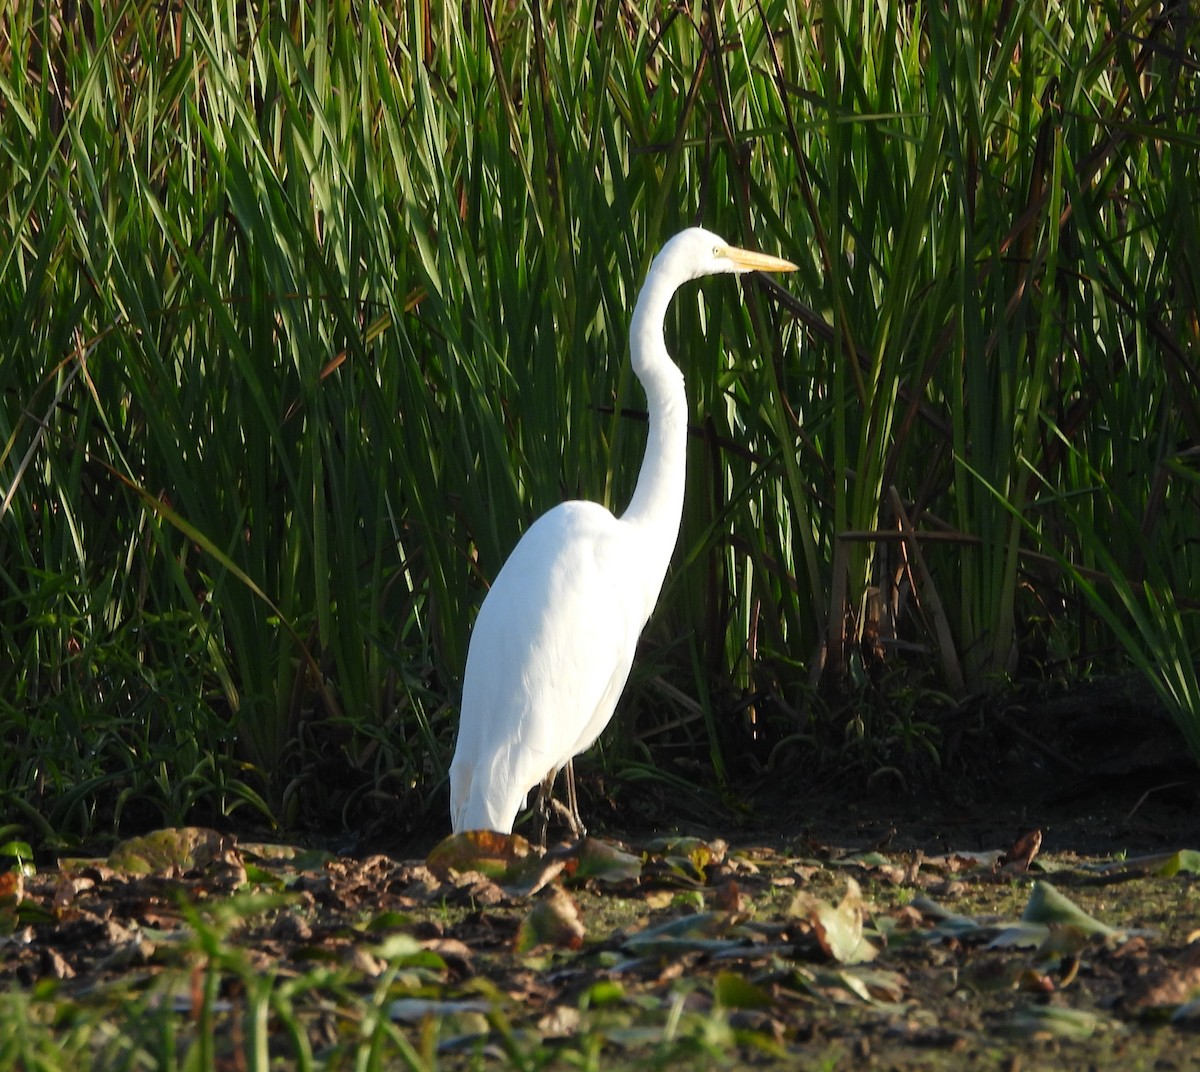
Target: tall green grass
x=306 y=317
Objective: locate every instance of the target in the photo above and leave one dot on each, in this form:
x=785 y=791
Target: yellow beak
x=750 y=261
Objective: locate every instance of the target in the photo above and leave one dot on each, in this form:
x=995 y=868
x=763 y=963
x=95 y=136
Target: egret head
x=696 y=252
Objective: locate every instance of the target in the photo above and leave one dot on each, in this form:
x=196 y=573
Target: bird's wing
x=549 y=655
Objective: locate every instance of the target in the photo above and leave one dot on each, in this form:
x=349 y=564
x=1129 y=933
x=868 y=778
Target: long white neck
x=657 y=503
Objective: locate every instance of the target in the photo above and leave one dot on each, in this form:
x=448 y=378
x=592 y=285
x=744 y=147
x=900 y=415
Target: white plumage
x=555 y=637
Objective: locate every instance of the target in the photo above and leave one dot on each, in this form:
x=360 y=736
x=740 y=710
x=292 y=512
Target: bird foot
x=574 y=823
x=568 y=813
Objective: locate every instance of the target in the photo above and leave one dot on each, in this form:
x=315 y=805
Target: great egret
x=554 y=639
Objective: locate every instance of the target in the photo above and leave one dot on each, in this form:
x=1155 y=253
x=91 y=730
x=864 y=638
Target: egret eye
x=717 y=251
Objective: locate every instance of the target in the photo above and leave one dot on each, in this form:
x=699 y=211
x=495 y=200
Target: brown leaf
x=54 y=964
x=956 y=862
x=553 y=920
x=455 y=953
x=728 y=897
x=1168 y=987
x=12 y=886
x=12 y=891
x=478 y=889
x=67 y=887
x=1022 y=852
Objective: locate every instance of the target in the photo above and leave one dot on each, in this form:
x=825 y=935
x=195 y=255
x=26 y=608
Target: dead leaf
x=907 y=918
x=1166 y=988
x=1022 y=852
x=12 y=892
x=553 y=920
x=728 y=898
x=839 y=929
x=561 y=1022
x=957 y=862
x=55 y=965
x=67 y=887
x=12 y=886
x=455 y=953
x=474 y=888
x=882 y=985
x=491 y=854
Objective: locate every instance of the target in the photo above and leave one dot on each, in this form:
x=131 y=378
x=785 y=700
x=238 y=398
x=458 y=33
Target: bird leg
x=568 y=813
x=542 y=808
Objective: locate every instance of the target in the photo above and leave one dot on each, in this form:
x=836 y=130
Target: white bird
x=555 y=636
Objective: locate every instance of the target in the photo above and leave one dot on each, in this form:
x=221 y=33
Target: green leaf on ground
x=1183 y=861
x=1047 y=905
x=599 y=860
x=732 y=991
x=1053 y=1021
